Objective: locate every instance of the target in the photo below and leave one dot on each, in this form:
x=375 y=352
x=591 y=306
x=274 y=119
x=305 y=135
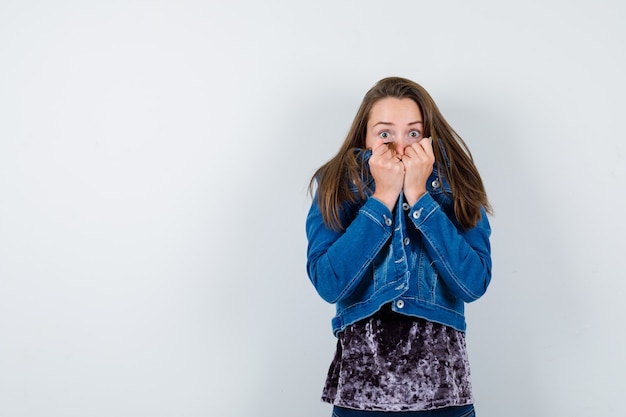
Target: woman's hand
x=418 y=160
x=388 y=172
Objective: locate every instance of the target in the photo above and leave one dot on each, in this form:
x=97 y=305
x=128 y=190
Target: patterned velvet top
x=393 y=362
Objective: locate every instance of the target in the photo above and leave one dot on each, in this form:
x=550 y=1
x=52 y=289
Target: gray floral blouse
x=393 y=362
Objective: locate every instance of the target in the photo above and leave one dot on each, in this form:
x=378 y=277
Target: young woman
x=398 y=240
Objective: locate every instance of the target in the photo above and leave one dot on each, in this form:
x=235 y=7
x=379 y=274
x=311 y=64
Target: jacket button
x=417 y=214
x=435 y=183
x=388 y=221
x=405 y=206
x=406 y=241
x=400 y=304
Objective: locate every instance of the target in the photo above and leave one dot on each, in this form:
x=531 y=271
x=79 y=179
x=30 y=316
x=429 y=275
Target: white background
x=154 y=159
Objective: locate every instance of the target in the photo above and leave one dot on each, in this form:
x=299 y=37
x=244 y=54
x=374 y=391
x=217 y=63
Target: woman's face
x=395 y=121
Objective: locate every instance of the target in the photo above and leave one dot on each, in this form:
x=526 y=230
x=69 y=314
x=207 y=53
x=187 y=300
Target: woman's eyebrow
x=391 y=124
x=383 y=123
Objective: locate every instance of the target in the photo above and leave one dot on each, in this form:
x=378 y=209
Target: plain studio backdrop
x=154 y=161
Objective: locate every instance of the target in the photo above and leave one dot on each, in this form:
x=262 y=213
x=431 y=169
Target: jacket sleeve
x=338 y=261
x=462 y=258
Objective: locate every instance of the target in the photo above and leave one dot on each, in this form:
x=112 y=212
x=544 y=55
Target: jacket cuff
x=423 y=208
x=378 y=212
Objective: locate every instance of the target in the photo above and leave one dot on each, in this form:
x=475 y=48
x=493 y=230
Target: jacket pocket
x=426 y=278
x=382 y=266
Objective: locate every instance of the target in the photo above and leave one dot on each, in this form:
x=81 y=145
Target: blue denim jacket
x=417 y=258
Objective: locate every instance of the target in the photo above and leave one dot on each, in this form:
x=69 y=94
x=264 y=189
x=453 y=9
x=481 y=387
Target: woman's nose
x=402 y=142
x=400 y=147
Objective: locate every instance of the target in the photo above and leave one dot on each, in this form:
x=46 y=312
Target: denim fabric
x=417 y=258
x=461 y=411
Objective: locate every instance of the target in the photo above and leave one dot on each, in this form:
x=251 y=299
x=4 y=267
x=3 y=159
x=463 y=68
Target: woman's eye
x=384 y=135
x=414 y=133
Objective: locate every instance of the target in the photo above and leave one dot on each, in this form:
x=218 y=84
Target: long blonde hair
x=452 y=158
